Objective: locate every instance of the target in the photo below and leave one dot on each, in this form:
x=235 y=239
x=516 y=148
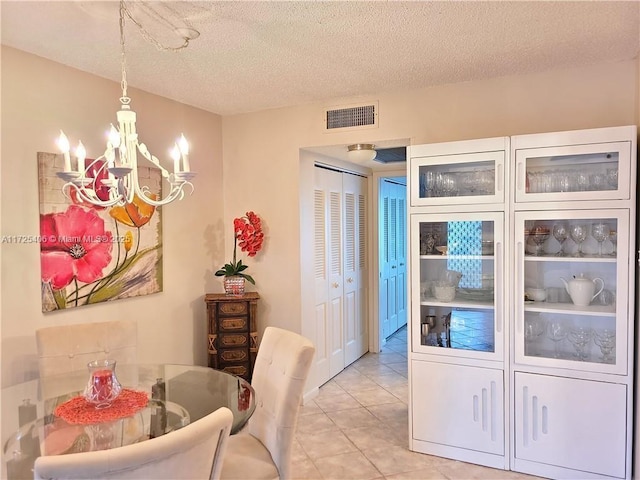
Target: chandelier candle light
x=112 y=179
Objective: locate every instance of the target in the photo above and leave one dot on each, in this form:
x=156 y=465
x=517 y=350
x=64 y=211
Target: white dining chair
x=68 y=348
x=192 y=452
x=263 y=449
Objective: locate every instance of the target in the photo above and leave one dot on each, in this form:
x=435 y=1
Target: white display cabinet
x=457 y=331
x=573 y=301
x=526 y=364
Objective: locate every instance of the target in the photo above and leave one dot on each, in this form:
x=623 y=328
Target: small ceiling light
x=361 y=152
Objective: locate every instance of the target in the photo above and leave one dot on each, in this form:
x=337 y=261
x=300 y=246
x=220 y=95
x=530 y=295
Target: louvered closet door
x=383 y=287
x=329 y=326
x=401 y=255
x=392 y=295
x=393 y=260
x=355 y=274
x=340 y=271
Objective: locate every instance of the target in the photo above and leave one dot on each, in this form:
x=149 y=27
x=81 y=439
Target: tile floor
x=357 y=427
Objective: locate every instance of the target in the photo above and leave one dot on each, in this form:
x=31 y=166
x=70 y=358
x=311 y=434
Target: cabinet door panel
x=458 y=406
x=548 y=268
x=457 y=179
x=457 y=297
x=573 y=172
x=570 y=423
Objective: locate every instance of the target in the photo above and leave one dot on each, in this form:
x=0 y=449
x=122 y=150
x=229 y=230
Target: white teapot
x=581 y=289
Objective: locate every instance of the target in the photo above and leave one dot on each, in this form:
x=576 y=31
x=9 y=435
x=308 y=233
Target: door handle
x=335 y=284
x=393 y=266
x=349 y=280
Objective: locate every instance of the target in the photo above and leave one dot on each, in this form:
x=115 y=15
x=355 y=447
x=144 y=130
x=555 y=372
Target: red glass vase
x=103 y=386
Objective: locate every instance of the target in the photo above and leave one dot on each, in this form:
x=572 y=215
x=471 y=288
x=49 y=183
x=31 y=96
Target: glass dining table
x=38 y=417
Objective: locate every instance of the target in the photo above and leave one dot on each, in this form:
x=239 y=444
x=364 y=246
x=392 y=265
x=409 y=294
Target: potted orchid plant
x=248 y=235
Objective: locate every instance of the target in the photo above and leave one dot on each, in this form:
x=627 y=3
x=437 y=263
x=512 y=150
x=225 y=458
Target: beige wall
x=39 y=98
x=265 y=171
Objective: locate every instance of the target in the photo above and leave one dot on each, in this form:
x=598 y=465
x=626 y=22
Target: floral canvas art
x=91 y=254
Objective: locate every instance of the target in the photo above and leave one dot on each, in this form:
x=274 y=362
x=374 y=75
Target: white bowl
x=537 y=294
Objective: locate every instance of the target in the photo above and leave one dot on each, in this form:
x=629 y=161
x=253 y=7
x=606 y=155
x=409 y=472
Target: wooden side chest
x=233 y=332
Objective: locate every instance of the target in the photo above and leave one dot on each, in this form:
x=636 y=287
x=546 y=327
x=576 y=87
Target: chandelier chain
x=123 y=58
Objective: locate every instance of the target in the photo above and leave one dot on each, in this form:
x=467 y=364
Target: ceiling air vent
x=350 y=117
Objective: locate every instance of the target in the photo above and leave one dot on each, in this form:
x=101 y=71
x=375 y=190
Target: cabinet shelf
x=584 y=259
x=437 y=256
x=457 y=303
x=569 y=309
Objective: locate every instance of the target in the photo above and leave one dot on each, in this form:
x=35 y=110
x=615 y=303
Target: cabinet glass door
x=457 y=179
x=457 y=284
x=573 y=172
x=571 y=300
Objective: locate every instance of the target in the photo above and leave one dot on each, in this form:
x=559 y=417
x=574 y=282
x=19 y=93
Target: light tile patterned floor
x=357 y=427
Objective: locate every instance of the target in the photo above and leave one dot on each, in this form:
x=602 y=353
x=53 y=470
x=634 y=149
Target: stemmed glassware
x=539 y=236
x=600 y=232
x=578 y=233
x=606 y=340
x=560 y=233
x=613 y=238
x=557 y=331
x=533 y=329
x=580 y=338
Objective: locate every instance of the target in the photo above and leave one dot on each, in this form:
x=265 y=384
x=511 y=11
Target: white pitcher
x=581 y=289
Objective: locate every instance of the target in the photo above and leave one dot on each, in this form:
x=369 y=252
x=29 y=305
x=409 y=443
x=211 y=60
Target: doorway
x=392 y=255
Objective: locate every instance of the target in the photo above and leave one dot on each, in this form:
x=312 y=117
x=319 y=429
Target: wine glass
x=600 y=232
x=533 y=329
x=578 y=233
x=580 y=338
x=606 y=340
x=613 y=238
x=539 y=236
x=556 y=331
x=560 y=233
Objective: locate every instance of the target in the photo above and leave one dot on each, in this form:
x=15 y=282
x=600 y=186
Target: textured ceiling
x=257 y=55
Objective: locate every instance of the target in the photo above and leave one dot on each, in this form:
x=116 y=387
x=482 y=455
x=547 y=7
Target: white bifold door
x=340 y=222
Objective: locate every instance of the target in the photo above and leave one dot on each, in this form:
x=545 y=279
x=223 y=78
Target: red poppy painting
x=92 y=254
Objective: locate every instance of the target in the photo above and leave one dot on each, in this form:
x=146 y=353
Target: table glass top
x=178 y=395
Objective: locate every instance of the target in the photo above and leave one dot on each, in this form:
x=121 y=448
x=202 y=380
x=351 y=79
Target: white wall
x=39 y=98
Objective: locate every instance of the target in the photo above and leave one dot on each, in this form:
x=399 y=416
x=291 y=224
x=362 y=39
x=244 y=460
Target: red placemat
x=78 y=411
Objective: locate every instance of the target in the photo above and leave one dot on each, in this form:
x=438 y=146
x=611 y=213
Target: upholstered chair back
x=264 y=448
x=68 y=348
x=193 y=452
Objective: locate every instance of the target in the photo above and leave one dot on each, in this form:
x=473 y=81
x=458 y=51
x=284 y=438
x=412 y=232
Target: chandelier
x=112 y=179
